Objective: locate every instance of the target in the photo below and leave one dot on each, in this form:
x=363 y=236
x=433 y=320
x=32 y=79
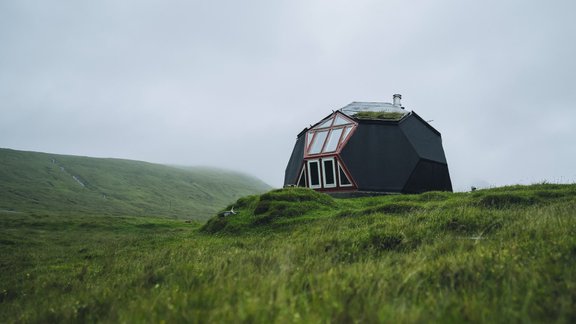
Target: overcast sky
x=231 y=83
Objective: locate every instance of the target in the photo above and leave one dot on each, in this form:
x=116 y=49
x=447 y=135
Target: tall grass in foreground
x=503 y=255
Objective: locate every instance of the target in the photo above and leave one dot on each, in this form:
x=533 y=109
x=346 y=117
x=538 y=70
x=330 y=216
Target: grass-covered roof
x=382 y=115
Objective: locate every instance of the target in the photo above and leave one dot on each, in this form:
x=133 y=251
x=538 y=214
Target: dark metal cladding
x=427 y=176
x=424 y=139
x=379 y=157
x=291 y=173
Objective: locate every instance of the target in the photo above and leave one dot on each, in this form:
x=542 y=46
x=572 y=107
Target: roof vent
x=396 y=101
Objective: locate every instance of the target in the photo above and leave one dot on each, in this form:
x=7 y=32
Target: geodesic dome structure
x=370 y=147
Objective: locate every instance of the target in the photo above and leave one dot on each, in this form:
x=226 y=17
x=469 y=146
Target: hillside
x=280 y=209
x=297 y=256
x=51 y=183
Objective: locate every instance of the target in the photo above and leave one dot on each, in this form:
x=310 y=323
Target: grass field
x=297 y=256
x=72 y=185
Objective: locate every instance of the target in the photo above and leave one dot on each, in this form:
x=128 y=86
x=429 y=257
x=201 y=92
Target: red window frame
x=341 y=140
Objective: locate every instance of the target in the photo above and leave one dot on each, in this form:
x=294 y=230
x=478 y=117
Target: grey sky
x=231 y=83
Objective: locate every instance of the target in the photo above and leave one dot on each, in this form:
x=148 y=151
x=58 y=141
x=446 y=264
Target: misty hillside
x=43 y=182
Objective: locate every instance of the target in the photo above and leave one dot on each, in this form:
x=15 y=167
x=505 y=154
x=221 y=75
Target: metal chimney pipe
x=397 y=98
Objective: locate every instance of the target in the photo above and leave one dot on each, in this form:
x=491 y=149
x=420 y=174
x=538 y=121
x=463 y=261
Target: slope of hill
x=285 y=208
x=42 y=182
x=503 y=255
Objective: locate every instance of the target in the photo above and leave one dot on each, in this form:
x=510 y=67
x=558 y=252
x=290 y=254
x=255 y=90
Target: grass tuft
x=507 y=200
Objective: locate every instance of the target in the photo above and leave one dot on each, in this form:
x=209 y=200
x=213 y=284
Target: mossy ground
x=501 y=255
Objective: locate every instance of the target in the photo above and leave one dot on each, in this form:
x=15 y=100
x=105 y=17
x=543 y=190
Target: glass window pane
x=329 y=179
x=313 y=166
x=346 y=132
x=340 y=121
x=318 y=142
x=344 y=181
x=309 y=137
x=332 y=143
x=325 y=124
x=302 y=180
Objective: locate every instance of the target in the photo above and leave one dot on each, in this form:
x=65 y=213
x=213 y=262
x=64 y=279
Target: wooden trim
x=314 y=131
x=340 y=143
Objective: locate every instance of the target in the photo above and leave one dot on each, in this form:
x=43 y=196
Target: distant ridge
x=52 y=183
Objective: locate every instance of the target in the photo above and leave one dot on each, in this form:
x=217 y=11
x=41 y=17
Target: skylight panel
x=325 y=124
x=346 y=133
x=309 y=138
x=318 y=142
x=327 y=137
x=333 y=140
x=340 y=121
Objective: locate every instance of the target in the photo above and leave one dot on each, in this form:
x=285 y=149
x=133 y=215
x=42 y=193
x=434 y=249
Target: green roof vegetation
x=379 y=115
x=295 y=255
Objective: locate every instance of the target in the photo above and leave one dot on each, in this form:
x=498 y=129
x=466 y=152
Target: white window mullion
x=328 y=173
x=314 y=181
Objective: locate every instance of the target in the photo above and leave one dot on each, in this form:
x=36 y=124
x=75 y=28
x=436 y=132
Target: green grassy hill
x=297 y=256
x=41 y=182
